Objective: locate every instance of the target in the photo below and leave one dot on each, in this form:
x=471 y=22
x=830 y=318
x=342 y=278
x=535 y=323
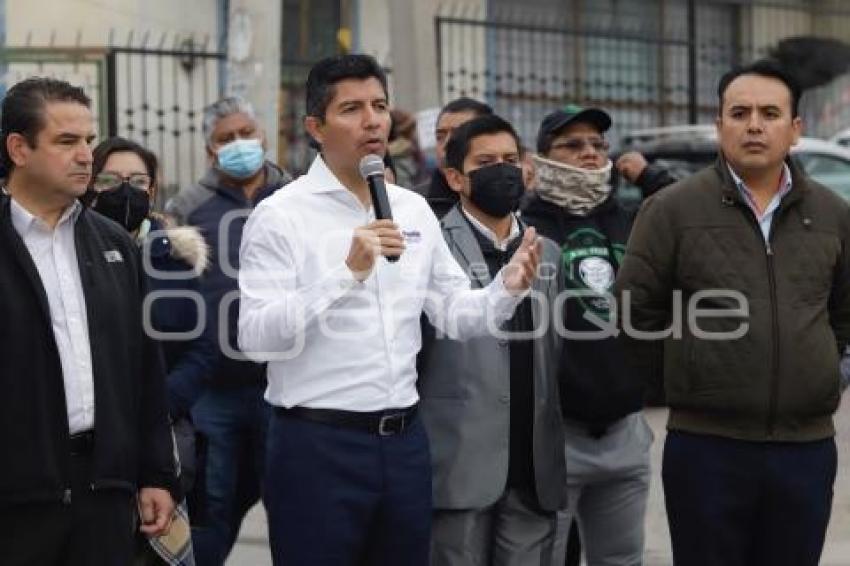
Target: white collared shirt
x=55 y=256
x=331 y=341
x=765 y=218
x=501 y=245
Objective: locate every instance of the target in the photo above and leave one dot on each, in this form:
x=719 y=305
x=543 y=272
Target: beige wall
x=93 y=19
x=253 y=66
x=769 y=25
x=836 y=26
x=401 y=34
x=87 y=23
x=373 y=28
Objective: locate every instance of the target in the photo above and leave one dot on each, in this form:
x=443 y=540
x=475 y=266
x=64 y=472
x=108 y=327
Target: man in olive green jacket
x=749 y=459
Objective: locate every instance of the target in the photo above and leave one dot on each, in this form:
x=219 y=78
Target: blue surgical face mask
x=241 y=158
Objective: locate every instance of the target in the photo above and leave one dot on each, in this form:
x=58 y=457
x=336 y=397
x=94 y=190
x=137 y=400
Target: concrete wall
x=93 y=20
x=769 y=25
x=253 y=65
x=836 y=24
x=402 y=35
x=159 y=100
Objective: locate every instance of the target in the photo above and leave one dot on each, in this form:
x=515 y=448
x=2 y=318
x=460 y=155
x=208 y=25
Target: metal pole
x=693 y=94
x=111 y=94
x=661 y=53
x=254 y=60
x=438 y=29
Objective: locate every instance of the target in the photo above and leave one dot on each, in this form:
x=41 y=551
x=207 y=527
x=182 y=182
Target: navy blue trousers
x=338 y=497
x=737 y=503
x=234 y=421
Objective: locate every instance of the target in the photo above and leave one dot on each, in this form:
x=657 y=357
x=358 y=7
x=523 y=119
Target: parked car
x=842 y=138
x=687 y=149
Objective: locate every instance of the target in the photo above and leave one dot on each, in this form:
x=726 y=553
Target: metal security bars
x=649 y=62
x=82 y=66
x=156 y=95
x=151 y=94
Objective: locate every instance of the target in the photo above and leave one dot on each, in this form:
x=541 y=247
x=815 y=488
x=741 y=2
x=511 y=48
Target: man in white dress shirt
x=348 y=476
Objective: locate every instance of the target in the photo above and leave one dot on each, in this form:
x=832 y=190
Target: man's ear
x=314 y=127
x=456 y=180
x=797 y=126
x=18 y=148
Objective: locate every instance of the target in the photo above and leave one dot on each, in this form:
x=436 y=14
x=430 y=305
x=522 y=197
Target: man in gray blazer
x=490 y=405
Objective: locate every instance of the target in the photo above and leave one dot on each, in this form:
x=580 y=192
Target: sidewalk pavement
x=252 y=546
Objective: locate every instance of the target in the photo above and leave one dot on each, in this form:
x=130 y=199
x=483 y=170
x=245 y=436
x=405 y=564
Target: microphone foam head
x=371 y=165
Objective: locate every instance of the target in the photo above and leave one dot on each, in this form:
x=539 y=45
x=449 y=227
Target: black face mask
x=125 y=205
x=496 y=189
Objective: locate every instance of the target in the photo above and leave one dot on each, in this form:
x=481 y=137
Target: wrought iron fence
x=649 y=62
x=153 y=94
x=156 y=94
x=82 y=66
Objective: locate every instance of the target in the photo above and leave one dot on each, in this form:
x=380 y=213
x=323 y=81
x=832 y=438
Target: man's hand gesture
x=378 y=238
x=631 y=165
x=519 y=273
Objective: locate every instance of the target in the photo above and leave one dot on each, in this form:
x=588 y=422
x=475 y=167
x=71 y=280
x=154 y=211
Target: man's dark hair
x=326 y=73
x=466 y=104
x=118 y=144
x=22 y=111
x=457 y=148
x=763 y=68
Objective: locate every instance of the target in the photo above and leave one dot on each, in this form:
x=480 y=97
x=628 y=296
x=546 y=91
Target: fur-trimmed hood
x=184 y=243
x=188 y=244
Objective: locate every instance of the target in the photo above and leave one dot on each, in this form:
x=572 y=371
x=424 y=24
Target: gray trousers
x=508 y=533
x=608 y=487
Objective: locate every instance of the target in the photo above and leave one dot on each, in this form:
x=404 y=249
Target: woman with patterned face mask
x=607 y=437
x=123 y=188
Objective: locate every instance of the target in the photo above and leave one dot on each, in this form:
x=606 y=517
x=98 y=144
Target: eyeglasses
x=575 y=145
x=111 y=181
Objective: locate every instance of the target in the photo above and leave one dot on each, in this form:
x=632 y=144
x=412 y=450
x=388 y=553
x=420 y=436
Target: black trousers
x=95 y=529
x=573 y=546
x=737 y=503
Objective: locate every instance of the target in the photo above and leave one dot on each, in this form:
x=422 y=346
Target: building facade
x=649 y=62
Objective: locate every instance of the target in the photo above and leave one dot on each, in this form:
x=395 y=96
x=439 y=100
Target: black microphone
x=372 y=170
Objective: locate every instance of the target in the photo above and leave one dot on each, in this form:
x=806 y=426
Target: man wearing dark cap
x=607 y=437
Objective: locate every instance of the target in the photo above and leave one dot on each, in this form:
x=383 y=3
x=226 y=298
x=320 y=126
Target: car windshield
x=678 y=164
x=829 y=170
x=685 y=158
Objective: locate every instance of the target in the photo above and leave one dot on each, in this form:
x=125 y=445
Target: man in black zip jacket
x=752 y=381
x=607 y=438
x=83 y=420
